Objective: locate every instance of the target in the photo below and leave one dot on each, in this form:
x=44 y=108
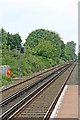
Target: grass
x=5 y=80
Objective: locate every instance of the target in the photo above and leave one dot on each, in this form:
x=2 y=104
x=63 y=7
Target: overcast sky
x=24 y=16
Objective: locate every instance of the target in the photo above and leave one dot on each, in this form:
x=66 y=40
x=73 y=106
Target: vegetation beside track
x=42 y=50
x=5 y=80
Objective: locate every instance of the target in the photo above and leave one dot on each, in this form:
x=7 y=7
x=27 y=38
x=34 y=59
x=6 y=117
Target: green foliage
x=13 y=41
x=39 y=34
x=79 y=56
x=55 y=49
x=71 y=46
x=70 y=51
x=9 y=41
x=11 y=61
x=5 y=80
x=43 y=49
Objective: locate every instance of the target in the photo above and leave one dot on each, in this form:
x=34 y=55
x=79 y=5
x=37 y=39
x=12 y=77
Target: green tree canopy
x=39 y=34
x=14 y=40
x=72 y=47
x=11 y=40
x=48 y=43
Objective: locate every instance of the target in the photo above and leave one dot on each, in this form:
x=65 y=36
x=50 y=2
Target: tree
x=44 y=49
x=62 y=50
x=9 y=40
x=39 y=34
x=79 y=53
x=14 y=40
x=67 y=53
x=3 y=38
x=70 y=51
x=72 y=47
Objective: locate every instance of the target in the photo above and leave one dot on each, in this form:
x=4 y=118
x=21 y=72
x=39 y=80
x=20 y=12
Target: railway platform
x=67 y=105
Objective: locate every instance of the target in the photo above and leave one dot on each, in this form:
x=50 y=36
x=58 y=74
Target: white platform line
x=58 y=105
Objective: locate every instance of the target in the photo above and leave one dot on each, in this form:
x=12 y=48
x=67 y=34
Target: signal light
x=22 y=50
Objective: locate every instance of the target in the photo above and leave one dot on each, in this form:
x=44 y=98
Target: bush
x=5 y=80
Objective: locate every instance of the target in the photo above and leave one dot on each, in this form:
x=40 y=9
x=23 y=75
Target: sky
x=24 y=16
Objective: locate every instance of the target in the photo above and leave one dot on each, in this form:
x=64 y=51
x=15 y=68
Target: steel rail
x=34 y=76
x=5 y=99
x=15 y=95
x=51 y=108
x=12 y=111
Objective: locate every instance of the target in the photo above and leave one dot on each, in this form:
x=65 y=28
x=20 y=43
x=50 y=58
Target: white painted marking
x=58 y=105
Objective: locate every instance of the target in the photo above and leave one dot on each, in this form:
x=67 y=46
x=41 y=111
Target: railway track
x=14 y=104
x=41 y=107
x=20 y=92
x=20 y=84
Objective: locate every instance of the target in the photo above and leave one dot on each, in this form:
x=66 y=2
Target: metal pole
x=19 y=63
x=9 y=48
